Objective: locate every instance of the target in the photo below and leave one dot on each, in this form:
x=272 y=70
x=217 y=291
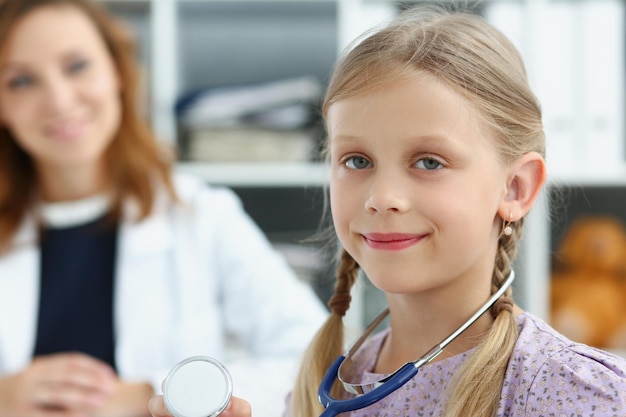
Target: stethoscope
x=368 y=394
x=199 y=386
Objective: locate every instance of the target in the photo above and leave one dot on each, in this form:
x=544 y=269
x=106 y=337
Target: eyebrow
x=435 y=138
x=11 y=66
x=344 y=138
x=429 y=138
x=74 y=53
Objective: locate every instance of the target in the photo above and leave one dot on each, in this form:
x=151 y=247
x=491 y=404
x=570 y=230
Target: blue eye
x=22 y=81
x=77 y=66
x=428 y=164
x=358 y=162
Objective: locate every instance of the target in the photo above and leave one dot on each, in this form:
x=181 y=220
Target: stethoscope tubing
x=334 y=407
x=401 y=376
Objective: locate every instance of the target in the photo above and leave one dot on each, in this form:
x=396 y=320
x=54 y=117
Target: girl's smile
x=392 y=241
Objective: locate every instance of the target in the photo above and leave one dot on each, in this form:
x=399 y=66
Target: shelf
x=259 y=174
x=600 y=179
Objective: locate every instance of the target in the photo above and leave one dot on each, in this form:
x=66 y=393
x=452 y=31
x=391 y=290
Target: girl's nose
x=388 y=195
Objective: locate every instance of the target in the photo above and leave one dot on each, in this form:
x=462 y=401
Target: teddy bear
x=588 y=285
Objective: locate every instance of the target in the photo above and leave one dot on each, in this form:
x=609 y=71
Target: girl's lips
x=391 y=241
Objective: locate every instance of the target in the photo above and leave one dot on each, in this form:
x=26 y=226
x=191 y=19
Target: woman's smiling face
x=59 y=89
x=415 y=185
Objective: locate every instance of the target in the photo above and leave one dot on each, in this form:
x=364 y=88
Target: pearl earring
x=507 y=230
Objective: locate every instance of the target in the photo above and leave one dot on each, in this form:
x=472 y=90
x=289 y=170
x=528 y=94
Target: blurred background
x=236 y=85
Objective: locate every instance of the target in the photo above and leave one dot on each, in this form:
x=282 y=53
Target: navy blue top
x=76 y=296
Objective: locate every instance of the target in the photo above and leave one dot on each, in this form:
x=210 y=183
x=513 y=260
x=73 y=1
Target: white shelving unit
x=574 y=52
x=161 y=33
x=582 y=92
x=259 y=174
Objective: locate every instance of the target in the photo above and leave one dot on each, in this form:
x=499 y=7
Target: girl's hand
x=58 y=385
x=236 y=408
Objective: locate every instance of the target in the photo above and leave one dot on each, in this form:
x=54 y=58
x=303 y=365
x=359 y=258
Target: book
x=245 y=144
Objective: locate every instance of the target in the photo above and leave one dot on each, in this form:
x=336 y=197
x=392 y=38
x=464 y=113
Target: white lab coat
x=186 y=277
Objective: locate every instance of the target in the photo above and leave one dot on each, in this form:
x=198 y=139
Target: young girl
x=436 y=149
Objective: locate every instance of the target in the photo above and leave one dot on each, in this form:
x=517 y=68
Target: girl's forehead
x=419 y=97
x=416 y=109
x=362 y=87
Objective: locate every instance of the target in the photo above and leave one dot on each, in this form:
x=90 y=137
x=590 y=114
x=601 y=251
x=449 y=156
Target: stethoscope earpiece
x=198 y=386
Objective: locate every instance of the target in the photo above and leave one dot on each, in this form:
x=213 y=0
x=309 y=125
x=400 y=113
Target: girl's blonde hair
x=480 y=63
x=134 y=159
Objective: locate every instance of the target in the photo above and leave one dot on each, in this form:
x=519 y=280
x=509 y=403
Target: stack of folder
x=276 y=121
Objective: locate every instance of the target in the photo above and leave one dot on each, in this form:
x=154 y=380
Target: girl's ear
x=526 y=178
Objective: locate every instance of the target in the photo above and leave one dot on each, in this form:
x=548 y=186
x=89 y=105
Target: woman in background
x=99 y=240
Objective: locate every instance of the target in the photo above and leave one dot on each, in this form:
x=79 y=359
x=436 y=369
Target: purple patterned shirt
x=547 y=376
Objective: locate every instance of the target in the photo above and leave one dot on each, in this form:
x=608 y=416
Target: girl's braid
x=507 y=246
x=347 y=271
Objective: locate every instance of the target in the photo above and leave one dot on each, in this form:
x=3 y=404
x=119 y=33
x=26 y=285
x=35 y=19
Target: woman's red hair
x=136 y=160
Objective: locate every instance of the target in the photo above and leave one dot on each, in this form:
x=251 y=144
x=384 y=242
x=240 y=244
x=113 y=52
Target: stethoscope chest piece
x=198 y=386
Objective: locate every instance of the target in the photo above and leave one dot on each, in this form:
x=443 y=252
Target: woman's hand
x=129 y=399
x=58 y=385
x=236 y=408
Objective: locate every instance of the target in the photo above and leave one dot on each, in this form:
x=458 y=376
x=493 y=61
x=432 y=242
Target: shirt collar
x=75 y=212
